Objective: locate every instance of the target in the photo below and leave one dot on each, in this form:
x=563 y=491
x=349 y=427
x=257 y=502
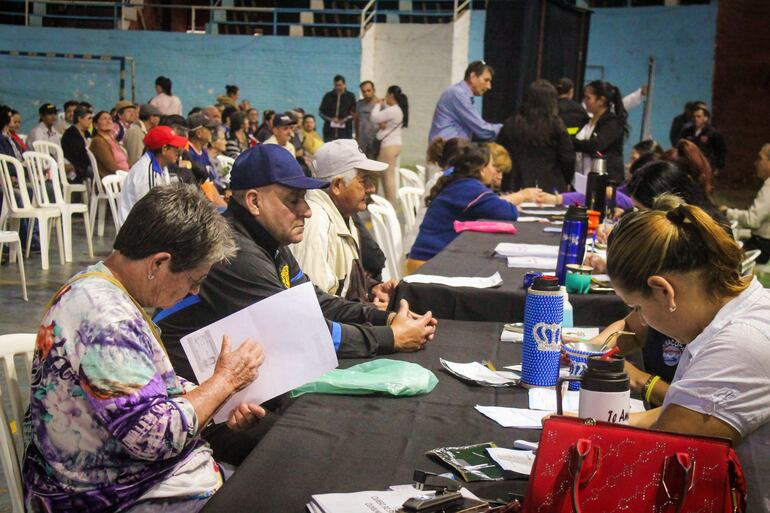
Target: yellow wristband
x=649 y=387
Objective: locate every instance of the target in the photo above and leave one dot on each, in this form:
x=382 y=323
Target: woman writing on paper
x=110 y=426
x=689 y=286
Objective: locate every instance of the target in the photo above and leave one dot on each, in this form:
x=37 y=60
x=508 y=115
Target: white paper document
x=487 y=282
x=531 y=219
x=531 y=262
x=568 y=333
x=481 y=374
x=529 y=204
x=542 y=212
x=512 y=459
x=511 y=249
x=294 y=337
x=370 y=501
x=544 y=399
x=514 y=417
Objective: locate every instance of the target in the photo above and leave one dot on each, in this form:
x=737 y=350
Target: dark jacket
x=262 y=268
x=74 y=147
x=334 y=106
x=607 y=138
x=549 y=167
x=573 y=114
x=710 y=142
x=678 y=125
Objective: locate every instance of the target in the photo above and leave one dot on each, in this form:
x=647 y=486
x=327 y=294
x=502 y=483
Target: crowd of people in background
x=292 y=199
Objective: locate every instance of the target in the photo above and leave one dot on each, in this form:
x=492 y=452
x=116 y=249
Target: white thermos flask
x=605 y=391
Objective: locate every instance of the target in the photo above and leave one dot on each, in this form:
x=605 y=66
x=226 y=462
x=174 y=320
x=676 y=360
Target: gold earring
x=150 y=276
x=672 y=309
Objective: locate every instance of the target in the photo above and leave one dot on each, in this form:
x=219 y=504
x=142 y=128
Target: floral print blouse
x=108 y=421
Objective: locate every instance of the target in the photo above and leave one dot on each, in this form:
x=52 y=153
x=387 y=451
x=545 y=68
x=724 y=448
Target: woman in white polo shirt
x=681 y=272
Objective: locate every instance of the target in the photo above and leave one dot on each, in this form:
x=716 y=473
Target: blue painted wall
x=682 y=41
x=281 y=72
x=273 y=72
x=622 y=39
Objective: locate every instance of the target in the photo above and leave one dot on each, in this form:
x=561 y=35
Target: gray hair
x=347 y=177
x=176 y=219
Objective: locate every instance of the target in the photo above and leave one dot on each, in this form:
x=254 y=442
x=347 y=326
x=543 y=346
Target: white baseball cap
x=340 y=156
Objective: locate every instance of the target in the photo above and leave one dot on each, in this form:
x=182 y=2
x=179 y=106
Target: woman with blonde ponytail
x=680 y=271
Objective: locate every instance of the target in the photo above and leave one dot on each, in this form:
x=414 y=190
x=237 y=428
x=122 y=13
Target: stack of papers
x=480 y=374
x=512 y=249
x=513 y=460
x=514 y=417
x=531 y=262
x=542 y=212
x=544 y=399
x=374 y=501
x=528 y=256
x=475 y=282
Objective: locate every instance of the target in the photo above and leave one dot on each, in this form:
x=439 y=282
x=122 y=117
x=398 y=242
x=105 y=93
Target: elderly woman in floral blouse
x=110 y=426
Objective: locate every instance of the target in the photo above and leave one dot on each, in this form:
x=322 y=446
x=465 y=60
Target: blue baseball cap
x=266 y=164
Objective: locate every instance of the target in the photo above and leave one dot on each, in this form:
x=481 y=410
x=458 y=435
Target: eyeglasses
x=195 y=282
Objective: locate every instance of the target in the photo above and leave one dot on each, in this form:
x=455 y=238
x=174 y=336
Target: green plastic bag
x=383 y=376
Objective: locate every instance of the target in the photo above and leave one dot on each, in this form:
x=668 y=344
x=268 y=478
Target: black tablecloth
x=472 y=254
x=327 y=443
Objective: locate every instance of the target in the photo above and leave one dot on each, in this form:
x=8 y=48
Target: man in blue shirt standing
x=455 y=115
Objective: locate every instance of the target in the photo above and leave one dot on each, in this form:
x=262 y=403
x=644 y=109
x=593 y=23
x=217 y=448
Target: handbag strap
x=118 y=284
x=391 y=131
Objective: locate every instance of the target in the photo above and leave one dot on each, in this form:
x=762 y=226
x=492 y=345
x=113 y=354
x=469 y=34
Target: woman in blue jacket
x=462 y=194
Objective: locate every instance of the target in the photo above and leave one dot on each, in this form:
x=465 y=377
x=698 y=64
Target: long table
x=328 y=443
x=472 y=254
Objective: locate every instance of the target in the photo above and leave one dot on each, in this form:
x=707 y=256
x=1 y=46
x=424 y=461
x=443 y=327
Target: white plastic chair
x=39 y=164
x=12 y=238
x=749 y=262
x=384 y=225
x=11 y=448
x=113 y=184
x=99 y=199
x=409 y=199
x=57 y=153
x=422 y=172
x=410 y=179
x=46 y=217
x=396 y=235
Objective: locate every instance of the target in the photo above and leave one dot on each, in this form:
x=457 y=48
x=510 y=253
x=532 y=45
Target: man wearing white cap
x=329 y=252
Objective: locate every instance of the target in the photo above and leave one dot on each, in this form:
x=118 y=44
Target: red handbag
x=596 y=467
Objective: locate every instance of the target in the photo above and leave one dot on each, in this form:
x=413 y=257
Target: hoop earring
x=150 y=276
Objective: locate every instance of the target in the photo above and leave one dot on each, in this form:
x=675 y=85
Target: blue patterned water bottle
x=573 y=240
x=541 y=350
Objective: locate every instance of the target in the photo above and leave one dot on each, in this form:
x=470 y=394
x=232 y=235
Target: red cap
x=161 y=136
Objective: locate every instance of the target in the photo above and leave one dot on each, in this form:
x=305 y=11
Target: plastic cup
x=578 y=354
x=578 y=279
x=594 y=217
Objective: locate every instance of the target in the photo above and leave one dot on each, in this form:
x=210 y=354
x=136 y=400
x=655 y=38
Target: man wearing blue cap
x=267 y=213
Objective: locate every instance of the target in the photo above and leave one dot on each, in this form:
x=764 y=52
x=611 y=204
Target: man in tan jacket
x=329 y=252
